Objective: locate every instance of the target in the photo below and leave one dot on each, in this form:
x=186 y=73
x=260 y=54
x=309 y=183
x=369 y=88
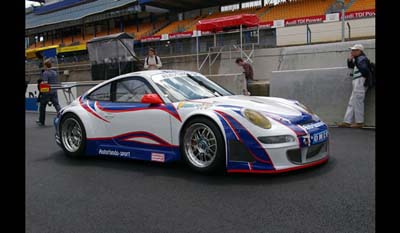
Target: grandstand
x=297 y=9
x=362 y=5
x=74 y=22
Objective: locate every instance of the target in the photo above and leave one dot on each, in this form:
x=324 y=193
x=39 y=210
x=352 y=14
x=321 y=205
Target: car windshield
x=188 y=87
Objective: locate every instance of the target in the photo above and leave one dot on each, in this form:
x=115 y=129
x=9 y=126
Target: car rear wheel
x=73 y=136
x=203 y=145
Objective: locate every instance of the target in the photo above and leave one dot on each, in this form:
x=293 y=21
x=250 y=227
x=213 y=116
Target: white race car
x=168 y=115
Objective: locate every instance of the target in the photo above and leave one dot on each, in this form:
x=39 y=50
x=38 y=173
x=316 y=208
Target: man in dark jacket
x=49 y=77
x=248 y=73
x=360 y=64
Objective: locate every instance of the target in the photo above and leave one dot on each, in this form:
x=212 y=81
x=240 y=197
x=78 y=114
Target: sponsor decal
x=185 y=105
x=150 y=38
x=331 y=17
x=305 y=20
x=314 y=125
x=306 y=140
x=158 y=157
x=359 y=14
x=114 y=153
x=180 y=35
x=180 y=105
x=319 y=137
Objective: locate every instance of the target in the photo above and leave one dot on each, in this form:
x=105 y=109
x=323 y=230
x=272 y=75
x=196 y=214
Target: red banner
x=321 y=18
x=180 y=35
x=150 y=38
x=359 y=14
x=206 y=33
x=268 y=24
x=305 y=20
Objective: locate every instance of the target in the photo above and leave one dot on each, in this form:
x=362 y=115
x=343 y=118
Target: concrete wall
x=232 y=82
x=323 y=32
x=325 y=91
x=295 y=57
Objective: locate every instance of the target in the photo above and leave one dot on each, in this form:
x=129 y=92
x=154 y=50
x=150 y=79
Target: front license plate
x=319 y=137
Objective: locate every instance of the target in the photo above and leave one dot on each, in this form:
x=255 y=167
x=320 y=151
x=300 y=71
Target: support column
x=62 y=36
x=137 y=22
x=152 y=20
x=121 y=24
x=241 y=40
x=197 y=49
x=95 y=29
x=215 y=39
x=83 y=31
x=343 y=17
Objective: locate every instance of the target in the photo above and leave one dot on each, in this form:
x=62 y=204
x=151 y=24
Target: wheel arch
x=82 y=116
x=208 y=115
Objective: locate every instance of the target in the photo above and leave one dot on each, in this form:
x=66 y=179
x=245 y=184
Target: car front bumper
x=282 y=159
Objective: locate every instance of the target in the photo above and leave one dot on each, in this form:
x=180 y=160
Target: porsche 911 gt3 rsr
x=168 y=115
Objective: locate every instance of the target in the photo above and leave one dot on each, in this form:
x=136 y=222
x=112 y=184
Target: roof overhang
x=184 y=5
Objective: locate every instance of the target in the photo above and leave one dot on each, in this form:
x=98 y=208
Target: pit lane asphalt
x=114 y=195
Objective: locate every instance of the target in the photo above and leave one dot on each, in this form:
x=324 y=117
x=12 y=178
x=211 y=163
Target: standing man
x=49 y=77
x=359 y=62
x=152 y=61
x=248 y=73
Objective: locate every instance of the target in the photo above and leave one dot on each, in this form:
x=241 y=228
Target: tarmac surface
x=113 y=195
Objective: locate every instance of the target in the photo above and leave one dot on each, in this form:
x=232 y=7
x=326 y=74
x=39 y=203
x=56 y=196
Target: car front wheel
x=203 y=145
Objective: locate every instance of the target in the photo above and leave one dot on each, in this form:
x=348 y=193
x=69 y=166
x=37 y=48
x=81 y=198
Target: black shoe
x=39 y=123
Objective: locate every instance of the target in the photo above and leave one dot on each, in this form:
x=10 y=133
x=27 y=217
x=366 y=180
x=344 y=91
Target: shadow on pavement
x=180 y=170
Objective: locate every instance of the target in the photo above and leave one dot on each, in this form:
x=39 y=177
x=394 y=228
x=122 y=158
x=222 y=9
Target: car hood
x=271 y=106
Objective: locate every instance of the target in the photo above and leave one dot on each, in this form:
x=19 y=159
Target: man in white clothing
x=152 y=61
x=359 y=62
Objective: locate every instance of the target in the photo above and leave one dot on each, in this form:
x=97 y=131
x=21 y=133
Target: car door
x=99 y=122
x=143 y=130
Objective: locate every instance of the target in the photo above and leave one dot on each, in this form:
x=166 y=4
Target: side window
x=131 y=90
x=101 y=94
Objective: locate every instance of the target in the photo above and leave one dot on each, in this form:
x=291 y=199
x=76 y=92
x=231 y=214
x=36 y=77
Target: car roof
x=145 y=74
x=149 y=73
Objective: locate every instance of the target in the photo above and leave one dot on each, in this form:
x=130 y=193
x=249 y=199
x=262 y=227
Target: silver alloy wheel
x=200 y=145
x=71 y=134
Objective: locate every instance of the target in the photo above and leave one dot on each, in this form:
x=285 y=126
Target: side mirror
x=151 y=99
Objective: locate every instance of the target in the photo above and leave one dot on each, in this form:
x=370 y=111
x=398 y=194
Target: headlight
x=305 y=108
x=257 y=119
x=277 y=139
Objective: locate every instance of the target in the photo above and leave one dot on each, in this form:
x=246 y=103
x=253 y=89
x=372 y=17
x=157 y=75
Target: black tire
x=218 y=164
x=80 y=151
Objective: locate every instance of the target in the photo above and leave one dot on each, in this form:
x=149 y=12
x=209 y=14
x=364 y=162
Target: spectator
x=49 y=77
x=152 y=61
x=357 y=61
x=248 y=73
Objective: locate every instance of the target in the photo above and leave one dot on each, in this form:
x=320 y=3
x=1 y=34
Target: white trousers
x=356 y=103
